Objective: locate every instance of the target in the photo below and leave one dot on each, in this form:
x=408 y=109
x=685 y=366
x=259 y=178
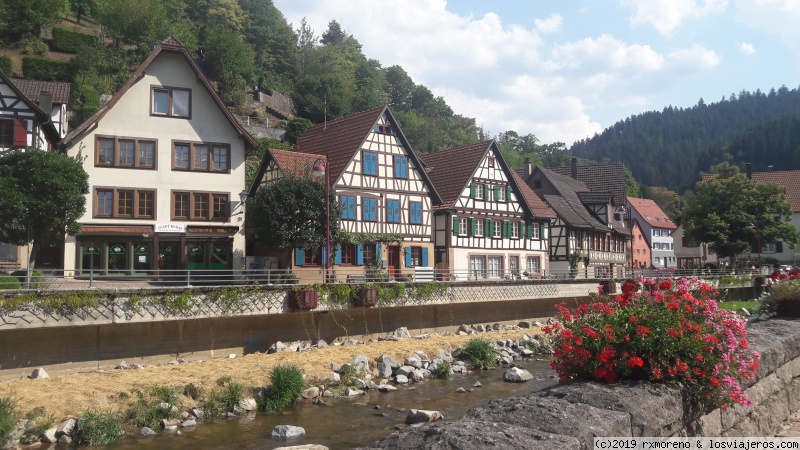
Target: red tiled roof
x=789 y=179
x=651 y=213
x=537 y=206
x=295 y=163
x=32 y=88
x=451 y=170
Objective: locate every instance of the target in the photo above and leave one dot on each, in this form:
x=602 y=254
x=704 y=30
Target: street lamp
x=321 y=170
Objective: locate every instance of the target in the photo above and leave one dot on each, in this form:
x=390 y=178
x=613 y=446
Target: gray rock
x=413 y=362
x=303 y=447
x=328 y=393
x=335 y=367
x=321 y=343
x=66 y=427
x=350 y=392
x=49 y=436
x=350 y=342
x=185 y=415
x=166 y=423
x=463 y=329
x=146 y=432
x=64 y=441
x=248 y=404
x=386 y=365
x=312 y=392
x=189 y=423
x=287 y=431
x=517 y=375
x=422 y=356
x=422 y=416
x=473 y=435
x=386 y=388
x=401 y=379
x=417 y=375
x=231 y=355
x=362 y=363
x=197 y=412
x=402 y=332
x=525 y=324
x=555 y=416
x=480 y=328
x=461 y=390
x=404 y=370
x=477 y=384
x=123 y=366
x=655 y=410
x=39 y=374
x=335 y=378
x=171 y=429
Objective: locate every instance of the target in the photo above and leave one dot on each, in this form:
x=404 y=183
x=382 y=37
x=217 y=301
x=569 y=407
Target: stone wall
x=570 y=415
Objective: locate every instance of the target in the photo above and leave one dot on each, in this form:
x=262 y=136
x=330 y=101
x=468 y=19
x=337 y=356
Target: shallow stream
x=349 y=422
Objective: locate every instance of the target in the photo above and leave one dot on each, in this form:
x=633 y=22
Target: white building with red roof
x=657 y=229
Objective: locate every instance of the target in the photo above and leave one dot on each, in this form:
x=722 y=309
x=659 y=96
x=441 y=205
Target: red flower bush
x=671 y=332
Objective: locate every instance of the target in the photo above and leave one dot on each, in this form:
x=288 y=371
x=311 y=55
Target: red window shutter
x=20 y=133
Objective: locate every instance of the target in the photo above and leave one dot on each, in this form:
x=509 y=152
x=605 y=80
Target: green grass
x=736 y=306
x=478 y=353
x=286 y=385
x=441 y=370
x=147 y=410
x=225 y=399
x=99 y=428
x=8 y=417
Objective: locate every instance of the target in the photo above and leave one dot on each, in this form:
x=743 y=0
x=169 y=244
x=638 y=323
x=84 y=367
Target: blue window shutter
x=324 y=256
x=299 y=257
x=360 y=254
x=378 y=254
x=424 y=256
x=408 y=256
x=373 y=210
x=338 y=258
x=405 y=168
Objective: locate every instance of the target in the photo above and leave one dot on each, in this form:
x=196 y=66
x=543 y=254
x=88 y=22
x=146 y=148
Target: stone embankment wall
x=201 y=324
x=570 y=415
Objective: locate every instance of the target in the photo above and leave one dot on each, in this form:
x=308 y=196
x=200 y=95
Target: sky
x=567 y=69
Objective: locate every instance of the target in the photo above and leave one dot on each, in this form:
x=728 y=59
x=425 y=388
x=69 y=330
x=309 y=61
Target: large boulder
x=474 y=435
x=517 y=375
x=555 y=416
x=422 y=416
x=287 y=431
x=386 y=365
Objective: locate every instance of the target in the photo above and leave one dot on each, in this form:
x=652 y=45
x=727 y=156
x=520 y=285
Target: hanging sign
x=92 y=250
x=117 y=249
x=170 y=228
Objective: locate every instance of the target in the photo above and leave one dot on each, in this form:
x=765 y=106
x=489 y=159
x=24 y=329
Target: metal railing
x=127 y=279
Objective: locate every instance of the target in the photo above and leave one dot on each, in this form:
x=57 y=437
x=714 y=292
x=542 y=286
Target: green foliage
x=33 y=46
x=21 y=19
x=290 y=213
x=99 y=428
x=295 y=129
x=389 y=293
x=192 y=391
x=46 y=69
x=8 y=417
x=8 y=282
x=70 y=41
x=441 y=370
x=229 y=396
x=734 y=214
x=160 y=402
x=286 y=385
x=136 y=22
x=6 y=65
x=230 y=63
x=340 y=294
x=37 y=281
x=177 y=302
x=478 y=353
x=426 y=292
x=43 y=423
x=669 y=201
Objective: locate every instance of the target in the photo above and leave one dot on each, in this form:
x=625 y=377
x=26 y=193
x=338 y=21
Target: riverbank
x=69 y=395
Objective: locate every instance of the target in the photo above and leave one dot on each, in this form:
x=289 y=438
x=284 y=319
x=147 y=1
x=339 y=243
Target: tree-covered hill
x=670 y=148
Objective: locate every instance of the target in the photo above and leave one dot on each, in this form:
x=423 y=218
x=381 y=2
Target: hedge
x=70 y=41
x=6 y=66
x=9 y=282
x=45 y=69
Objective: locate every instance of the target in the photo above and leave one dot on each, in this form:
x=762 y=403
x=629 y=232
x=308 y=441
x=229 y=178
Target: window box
x=367 y=297
x=303 y=299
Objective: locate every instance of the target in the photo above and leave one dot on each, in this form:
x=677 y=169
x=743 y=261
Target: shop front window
x=195 y=256
x=91 y=257
x=141 y=257
x=117 y=258
x=220 y=256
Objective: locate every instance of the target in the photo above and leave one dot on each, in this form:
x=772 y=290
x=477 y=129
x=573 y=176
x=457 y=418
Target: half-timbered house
x=486 y=226
x=589 y=237
x=385 y=196
x=166 y=165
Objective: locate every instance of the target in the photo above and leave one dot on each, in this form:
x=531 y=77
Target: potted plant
x=366 y=296
x=303 y=298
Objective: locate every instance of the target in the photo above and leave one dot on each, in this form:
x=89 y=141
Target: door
x=394 y=261
x=169 y=258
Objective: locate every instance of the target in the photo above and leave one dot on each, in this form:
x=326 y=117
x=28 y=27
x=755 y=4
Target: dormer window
x=171 y=102
x=383 y=129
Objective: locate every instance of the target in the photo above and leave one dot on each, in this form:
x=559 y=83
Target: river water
x=351 y=422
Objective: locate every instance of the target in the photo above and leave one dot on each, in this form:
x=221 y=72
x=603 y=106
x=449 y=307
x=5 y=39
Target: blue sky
x=564 y=70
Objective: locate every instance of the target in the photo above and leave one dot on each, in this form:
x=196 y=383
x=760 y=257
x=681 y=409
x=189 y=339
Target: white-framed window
x=535 y=231
x=513 y=265
x=534 y=264
x=658 y=260
x=477 y=267
x=768 y=248
x=478 y=192
x=498 y=229
x=479 y=227
x=495 y=266
x=515 y=230
x=463 y=226
x=501 y=194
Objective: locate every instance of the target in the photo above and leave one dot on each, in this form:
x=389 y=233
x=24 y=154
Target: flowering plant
x=670 y=332
x=782 y=293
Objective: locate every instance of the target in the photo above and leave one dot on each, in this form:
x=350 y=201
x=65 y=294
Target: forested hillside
x=670 y=148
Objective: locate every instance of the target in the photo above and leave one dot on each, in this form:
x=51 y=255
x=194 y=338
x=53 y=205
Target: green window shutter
x=506 y=228
x=486 y=192
x=472 y=187
x=455 y=226
x=472 y=226
x=542 y=229
x=489 y=228
x=530 y=230
x=496 y=193
x=522 y=229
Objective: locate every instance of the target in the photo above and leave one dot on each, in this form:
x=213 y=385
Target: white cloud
x=746 y=48
x=666 y=15
x=775 y=17
x=550 y=25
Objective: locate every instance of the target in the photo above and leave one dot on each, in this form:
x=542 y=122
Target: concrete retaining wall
x=571 y=415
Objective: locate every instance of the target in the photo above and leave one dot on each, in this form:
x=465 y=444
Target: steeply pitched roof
x=651 y=213
x=32 y=88
x=49 y=128
x=295 y=163
x=340 y=139
x=601 y=178
x=789 y=179
x=169 y=45
x=537 y=206
x=451 y=170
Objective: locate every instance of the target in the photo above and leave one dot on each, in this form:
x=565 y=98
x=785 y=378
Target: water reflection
x=353 y=422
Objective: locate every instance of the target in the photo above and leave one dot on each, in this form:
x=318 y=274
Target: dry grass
x=70 y=395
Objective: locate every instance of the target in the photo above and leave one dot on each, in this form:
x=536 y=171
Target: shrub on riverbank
x=673 y=332
x=99 y=428
x=8 y=418
x=441 y=370
x=160 y=402
x=225 y=399
x=478 y=353
x=286 y=385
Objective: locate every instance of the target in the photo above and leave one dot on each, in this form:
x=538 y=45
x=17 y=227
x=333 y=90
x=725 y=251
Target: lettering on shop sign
x=170 y=228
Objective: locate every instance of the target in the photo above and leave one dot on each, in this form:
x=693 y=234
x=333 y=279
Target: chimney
x=749 y=170
x=528 y=167
x=46 y=102
x=574 y=167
